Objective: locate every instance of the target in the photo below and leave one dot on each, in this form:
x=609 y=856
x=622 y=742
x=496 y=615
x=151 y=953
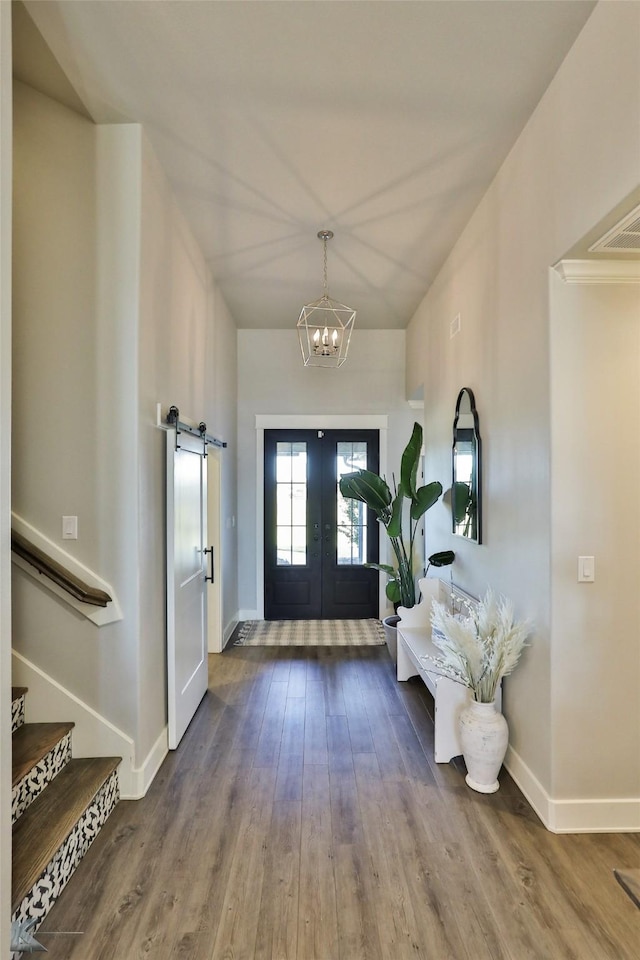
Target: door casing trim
x=306 y=421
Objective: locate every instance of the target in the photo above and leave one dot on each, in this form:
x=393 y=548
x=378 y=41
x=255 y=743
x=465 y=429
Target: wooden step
x=32 y=742
x=40 y=751
x=52 y=836
x=17 y=692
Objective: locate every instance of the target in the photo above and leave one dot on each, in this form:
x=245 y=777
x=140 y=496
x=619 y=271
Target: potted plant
x=388 y=506
x=478 y=650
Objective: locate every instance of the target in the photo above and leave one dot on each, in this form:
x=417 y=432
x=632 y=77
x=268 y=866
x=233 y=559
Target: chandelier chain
x=326 y=281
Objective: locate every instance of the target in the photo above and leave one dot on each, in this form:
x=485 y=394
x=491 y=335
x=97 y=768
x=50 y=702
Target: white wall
x=595 y=391
x=73 y=390
x=186 y=358
x=273 y=380
x=5 y=470
x=574 y=162
x=115 y=311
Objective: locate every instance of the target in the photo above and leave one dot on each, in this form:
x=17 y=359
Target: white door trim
x=305 y=421
x=214 y=526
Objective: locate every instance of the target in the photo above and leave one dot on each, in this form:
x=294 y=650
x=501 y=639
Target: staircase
x=58 y=806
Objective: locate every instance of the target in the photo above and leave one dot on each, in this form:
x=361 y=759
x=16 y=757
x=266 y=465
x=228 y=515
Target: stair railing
x=56 y=572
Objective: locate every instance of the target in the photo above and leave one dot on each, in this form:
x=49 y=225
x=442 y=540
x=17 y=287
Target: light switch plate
x=586 y=569
x=69 y=528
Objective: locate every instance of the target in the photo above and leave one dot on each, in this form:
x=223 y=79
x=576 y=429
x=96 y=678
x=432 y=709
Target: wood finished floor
x=304 y=818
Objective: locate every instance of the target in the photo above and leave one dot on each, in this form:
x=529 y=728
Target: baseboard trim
x=228 y=630
x=249 y=615
x=609 y=815
x=93 y=735
x=142 y=777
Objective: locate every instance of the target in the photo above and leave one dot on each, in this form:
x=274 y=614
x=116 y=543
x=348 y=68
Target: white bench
x=414 y=642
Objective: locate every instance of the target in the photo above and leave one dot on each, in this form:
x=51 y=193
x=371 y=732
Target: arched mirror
x=466 y=499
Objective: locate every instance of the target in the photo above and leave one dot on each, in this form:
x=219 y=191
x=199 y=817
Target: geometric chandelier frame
x=325 y=326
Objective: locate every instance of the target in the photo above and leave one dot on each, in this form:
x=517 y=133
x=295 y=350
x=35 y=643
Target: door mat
x=311 y=633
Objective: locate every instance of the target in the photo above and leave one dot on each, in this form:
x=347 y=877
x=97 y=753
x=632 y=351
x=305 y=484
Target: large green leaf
x=369 y=488
x=394 y=527
x=460 y=500
x=385 y=567
x=392 y=591
x=441 y=559
x=409 y=462
x=425 y=498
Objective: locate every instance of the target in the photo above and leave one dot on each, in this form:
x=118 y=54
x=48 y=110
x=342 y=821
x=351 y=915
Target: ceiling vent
x=623 y=238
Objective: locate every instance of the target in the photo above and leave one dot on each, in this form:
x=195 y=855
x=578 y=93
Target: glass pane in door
x=351 y=514
x=291 y=504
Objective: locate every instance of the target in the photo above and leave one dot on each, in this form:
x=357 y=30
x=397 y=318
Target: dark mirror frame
x=473 y=508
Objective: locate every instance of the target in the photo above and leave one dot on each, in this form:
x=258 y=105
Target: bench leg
x=405 y=667
x=450 y=698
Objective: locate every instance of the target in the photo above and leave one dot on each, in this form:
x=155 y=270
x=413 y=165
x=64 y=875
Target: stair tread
x=33 y=741
x=46 y=824
x=17 y=692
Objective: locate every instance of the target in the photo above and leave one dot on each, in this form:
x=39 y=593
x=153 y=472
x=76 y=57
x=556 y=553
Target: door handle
x=210 y=550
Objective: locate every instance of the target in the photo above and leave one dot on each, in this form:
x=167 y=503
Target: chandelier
x=325 y=326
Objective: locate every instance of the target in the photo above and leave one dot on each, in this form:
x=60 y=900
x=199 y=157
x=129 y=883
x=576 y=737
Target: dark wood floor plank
x=393 y=908
x=358 y=937
x=268 y=746
x=333 y=683
x=293 y=727
x=240 y=914
x=413 y=757
x=303 y=818
x=277 y=934
x=315 y=726
x=298 y=678
x=359 y=729
x=289 y=777
x=386 y=746
x=318 y=908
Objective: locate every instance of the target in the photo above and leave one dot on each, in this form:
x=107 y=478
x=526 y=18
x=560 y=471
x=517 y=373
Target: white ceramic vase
x=484 y=736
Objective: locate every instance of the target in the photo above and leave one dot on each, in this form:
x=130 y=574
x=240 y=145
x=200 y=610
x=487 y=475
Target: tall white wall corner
x=93 y=736
x=607 y=815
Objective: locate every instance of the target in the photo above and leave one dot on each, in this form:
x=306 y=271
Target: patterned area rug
x=310 y=633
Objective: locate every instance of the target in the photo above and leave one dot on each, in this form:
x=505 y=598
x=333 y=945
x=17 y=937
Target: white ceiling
x=382 y=120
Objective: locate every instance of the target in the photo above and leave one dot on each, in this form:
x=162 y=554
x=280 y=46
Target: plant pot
x=390 y=625
x=484 y=736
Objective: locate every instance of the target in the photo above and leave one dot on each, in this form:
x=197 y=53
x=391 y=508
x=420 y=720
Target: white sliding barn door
x=187 y=677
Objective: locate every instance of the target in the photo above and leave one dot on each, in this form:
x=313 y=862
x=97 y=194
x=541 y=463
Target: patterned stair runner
x=40 y=751
x=59 y=806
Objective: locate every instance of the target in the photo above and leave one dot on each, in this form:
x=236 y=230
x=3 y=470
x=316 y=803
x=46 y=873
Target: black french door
x=316 y=542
